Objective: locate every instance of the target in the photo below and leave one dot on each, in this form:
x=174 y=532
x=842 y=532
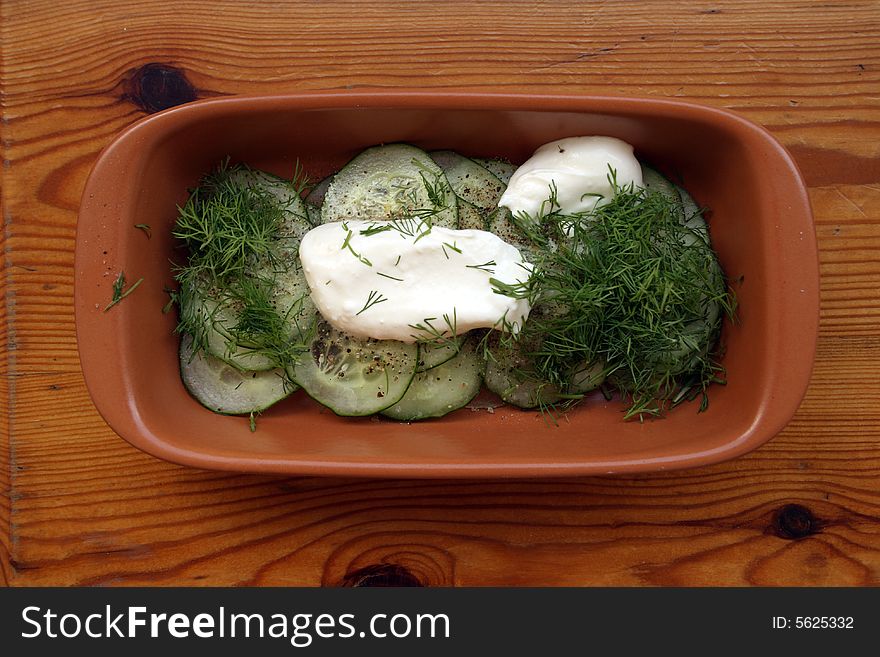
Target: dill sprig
x=227 y=225
x=373 y=298
x=119 y=291
x=232 y=227
x=346 y=244
x=630 y=287
x=485 y=266
x=438 y=336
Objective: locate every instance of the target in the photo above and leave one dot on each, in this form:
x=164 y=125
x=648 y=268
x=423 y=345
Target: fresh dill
x=438 y=336
x=119 y=291
x=234 y=226
x=373 y=298
x=171 y=299
x=485 y=267
x=346 y=244
x=375 y=230
x=146 y=229
x=628 y=289
x=393 y=278
x=453 y=247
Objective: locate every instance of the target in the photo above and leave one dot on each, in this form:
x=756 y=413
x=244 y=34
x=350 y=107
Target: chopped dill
x=447 y=245
x=146 y=229
x=372 y=299
x=234 y=226
x=227 y=224
x=626 y=288
x=438 y=337
x=119 y=291
x=485 y=267
x=346 y=244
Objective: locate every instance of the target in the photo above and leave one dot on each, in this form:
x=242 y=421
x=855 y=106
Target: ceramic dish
x=760 y=222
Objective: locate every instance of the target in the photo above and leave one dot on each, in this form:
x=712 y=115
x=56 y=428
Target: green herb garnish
x=627 y=288
x=234 y=230
x=228 y=223
x=119 y=291
x=373 y=298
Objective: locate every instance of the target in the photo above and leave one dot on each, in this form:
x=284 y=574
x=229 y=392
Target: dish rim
x=132 y=428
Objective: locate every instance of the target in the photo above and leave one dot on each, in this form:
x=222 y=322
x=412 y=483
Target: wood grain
x=80 y=506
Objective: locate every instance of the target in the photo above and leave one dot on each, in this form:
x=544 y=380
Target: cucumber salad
x=408 y=280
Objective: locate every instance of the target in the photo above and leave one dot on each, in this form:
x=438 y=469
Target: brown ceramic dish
x=761 y=227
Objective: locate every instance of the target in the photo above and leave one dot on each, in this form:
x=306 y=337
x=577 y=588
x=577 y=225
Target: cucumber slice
x=354 y=377
x=441 y=389
x=221 y=388
x=296 y=222
x=693 y=215
x=217 y=317
x=500 y=221
x=470 y=181
x=391 y=181
x=220 y=314
x=501 y=169
x=315 y=199
x=470 y=217
x=689 y=213
x=510 y=374
x=656 y=182
x=586 y=376
x=697 y=337
x=432 y=354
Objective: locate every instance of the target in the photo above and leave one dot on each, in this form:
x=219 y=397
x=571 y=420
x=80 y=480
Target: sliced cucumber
x=510 y=374
x=290 y=296
x=693 y=215
x=295 y=223
x=217 y=317
x=586 y=376
x=219 y=387
x=470 y=217
x=470 y=181
x=654 y=181
x=315 y=199
x=501 y=169
x=688 y=211
x=286 y=307
x=354 y=377
x=441 y=389
x=695 y=339
x=391 y=181
x=432 y=354
x=500 y=222
x=220 y=314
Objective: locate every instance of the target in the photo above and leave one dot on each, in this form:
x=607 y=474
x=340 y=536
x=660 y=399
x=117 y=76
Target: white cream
x=383 y=283
x=579 y=168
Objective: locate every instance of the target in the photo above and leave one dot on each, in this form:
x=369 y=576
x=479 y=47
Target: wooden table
x=80 y=506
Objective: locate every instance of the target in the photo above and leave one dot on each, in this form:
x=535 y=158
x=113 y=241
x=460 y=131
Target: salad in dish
x=408 y=280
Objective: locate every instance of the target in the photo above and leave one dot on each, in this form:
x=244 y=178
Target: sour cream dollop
x=381 y=279
x=579 y=168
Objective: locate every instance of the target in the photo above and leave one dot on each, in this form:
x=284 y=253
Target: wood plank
x=80 y=506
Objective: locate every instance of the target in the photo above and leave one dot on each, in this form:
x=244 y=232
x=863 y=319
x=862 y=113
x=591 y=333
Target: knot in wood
x=155 y=87
x=794 y=521
x=381 y=575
